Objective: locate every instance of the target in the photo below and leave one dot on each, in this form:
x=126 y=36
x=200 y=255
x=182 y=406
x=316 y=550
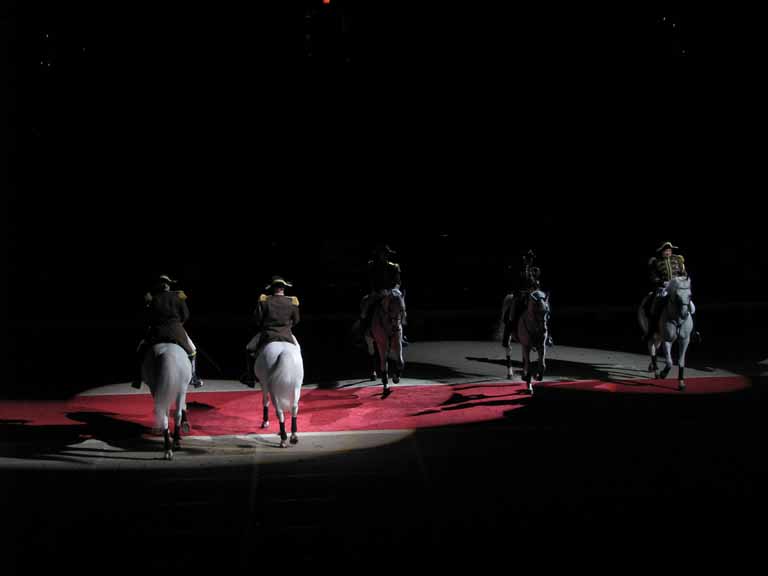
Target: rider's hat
x=382 y=248
x=665 y=246
x=277 y=281
x=165 y=279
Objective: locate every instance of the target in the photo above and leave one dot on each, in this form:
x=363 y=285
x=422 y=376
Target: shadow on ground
x=59 y=442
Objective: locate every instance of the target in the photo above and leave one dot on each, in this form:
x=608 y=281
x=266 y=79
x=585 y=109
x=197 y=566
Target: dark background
x=223 y=143
x=226 y=145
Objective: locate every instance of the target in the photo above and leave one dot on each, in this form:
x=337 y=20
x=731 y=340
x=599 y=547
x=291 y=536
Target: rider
x=165 y=312
x=275 y=316
x=662 y=267
x=529 y=282
x=383 y=277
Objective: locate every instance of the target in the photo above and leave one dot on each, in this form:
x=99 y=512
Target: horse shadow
x=19 y=439
x=566 y=370
x=414 y=370
x=460 y=401
x=260 y=440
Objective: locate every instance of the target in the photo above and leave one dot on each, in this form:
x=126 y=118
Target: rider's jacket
x=661 y=270
x=383 y=275
x=275 y=317
x=165 y=314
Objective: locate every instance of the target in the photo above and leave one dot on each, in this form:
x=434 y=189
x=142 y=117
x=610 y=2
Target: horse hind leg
x=177 y=425
x=526 y=365
x=374 y=365
x=265 y=410
x=372 y=356
x=294 y=430
x=283 y=435
x=397 y=360
x=385 y=381
x=393 y=367
x=179 y=420
x=384 y=369
x=681 y=365
x=177 y=437
x=653 y=364
x=654 y=367
x=667 y=360
x=167 y=445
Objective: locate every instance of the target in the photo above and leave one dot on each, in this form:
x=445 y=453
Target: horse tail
x=286 y=376
x=642 y=314
x=171 y=372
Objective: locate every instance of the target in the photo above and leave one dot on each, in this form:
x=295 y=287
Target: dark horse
x=385 y=339
x=531 y=332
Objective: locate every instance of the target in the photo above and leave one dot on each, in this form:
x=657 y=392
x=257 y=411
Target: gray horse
x=280 y=369
x=167 y=372
x=675 y=325
x=532 y=333
x=385 y=341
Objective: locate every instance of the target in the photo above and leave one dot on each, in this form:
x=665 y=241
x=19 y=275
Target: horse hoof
x=681 y=385
x=294 y=439
x=539 y=377
x=185 y=427
x=176 y=444
x=651 y=368
x=373 y=376
x=283 y=443
x=265 y=424
x=396 y=379
x=387 y=392
x=169 y=454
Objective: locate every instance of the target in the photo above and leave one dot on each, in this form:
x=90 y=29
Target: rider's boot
x=249 y=378
x=137 y=378
x=195 y=381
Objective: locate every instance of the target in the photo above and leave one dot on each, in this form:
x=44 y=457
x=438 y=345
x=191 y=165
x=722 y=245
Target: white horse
x=280 y=369
x=532 y=333
x=167 y=371
x=385 y=340
x=675 y=325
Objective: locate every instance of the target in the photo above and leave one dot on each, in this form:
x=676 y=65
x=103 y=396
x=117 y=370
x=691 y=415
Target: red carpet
x=222 y=413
